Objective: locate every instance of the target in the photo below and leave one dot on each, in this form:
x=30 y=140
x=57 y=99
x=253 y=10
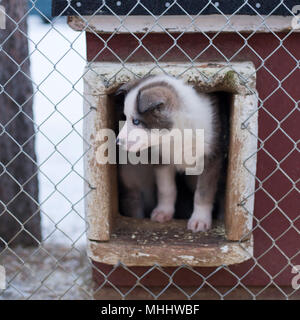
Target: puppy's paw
x=162 y=215
x=199 y=223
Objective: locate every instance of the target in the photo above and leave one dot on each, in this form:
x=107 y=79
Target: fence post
x=19 y=209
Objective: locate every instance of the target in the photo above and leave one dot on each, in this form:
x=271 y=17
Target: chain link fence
x=57 y=265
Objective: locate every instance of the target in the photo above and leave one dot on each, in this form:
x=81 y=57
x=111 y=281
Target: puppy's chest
x=185 y=155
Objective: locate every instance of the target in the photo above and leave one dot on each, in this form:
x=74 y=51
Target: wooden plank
x=241 y=167
x=180 y=23
x=101 y=201
x=144 y=243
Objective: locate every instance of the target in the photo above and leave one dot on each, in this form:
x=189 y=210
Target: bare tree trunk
x=19 y=209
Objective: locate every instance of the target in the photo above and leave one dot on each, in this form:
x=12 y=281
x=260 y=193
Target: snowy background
x=59 y=268
x=57 y=62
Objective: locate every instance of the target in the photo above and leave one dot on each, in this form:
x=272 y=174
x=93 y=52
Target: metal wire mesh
x=58 y=267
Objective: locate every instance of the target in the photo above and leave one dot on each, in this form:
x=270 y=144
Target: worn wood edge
x=144 y=242
x=172 y=24
x=105 y=77
x=114 y=252
x=100 y=202
x=240 y=182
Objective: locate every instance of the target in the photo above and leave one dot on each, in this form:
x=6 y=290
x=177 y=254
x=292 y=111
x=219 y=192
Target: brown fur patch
x=155 y=104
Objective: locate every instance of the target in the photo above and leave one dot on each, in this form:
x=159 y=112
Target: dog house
x=240 y=55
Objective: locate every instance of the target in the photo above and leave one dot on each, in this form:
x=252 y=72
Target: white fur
x=166 y=187
x=195 y=111
x=201 y=218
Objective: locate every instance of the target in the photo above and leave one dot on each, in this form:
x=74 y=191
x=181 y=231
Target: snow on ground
x=47 y=273
x=58 y=59
x=59 y=268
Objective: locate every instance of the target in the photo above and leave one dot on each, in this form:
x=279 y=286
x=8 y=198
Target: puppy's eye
x=136 y=122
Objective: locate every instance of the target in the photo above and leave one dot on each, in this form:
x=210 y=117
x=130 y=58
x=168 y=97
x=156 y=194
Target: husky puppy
x=163 y=102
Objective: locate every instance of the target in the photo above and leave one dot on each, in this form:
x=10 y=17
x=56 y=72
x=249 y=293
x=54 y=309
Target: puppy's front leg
x=201 y=219
x=166 y=193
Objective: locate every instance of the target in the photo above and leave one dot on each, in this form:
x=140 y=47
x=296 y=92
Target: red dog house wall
x=273 y=47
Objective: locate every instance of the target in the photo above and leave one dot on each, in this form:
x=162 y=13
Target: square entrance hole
x=141 y=242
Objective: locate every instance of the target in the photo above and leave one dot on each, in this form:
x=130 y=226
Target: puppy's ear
x=126 y=87
x=148 y=102
x=148 y=107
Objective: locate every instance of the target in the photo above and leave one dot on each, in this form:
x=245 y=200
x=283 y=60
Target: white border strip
x=206 y=23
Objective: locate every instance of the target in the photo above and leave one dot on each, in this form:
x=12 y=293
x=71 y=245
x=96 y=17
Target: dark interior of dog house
x=184 y=201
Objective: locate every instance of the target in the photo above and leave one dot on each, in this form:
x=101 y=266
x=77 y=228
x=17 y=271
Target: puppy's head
x=150 y=105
